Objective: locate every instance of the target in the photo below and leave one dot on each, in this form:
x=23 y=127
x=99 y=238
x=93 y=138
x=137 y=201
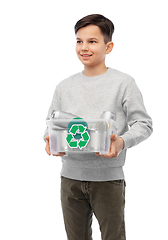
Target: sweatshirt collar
x=95 y=78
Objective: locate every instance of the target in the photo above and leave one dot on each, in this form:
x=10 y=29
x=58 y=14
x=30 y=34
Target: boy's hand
x=47 y=148
x=117 y=145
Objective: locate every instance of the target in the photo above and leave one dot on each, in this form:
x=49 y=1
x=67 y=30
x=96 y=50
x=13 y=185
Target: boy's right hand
x=47 y=148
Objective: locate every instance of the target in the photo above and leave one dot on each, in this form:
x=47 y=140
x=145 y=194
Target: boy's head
x=105 y=25
x=94 y=35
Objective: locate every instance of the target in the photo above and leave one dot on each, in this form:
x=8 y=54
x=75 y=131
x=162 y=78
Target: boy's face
x=90 y=47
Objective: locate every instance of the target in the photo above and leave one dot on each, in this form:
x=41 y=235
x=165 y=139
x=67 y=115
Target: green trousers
x=81 y=199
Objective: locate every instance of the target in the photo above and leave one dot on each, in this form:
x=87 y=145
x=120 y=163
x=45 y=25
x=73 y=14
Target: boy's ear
x=109 y=47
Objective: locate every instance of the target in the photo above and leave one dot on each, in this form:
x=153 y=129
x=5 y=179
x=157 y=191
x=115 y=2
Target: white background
x=37 y=51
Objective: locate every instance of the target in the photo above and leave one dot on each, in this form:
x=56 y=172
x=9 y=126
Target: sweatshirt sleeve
x=55 y=105
x=139 y=121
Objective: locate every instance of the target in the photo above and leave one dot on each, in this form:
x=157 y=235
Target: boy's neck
x=92 y=71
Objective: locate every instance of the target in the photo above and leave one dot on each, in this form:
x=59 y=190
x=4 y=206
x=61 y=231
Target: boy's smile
x=86 y=56
x=91 y=48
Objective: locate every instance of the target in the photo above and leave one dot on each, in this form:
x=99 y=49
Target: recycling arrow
x=75 y=143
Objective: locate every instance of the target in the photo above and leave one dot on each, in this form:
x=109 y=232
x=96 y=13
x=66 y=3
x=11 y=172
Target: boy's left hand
x=117 y=145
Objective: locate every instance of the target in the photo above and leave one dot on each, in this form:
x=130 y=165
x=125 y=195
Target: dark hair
x=105 y=25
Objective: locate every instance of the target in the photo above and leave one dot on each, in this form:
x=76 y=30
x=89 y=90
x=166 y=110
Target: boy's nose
x=84 y=47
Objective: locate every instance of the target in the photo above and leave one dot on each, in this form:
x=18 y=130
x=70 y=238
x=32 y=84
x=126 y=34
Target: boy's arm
x=137 y=118
x=55 y=105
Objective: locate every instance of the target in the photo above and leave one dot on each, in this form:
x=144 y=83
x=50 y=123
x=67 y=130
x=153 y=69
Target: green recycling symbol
x=77 y=129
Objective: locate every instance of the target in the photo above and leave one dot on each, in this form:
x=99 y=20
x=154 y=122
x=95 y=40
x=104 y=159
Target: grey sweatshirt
x=88 y=97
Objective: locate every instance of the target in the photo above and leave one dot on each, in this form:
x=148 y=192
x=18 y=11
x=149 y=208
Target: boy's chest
x=89 y=102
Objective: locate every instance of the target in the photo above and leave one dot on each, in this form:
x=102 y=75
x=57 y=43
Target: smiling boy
x=90 y=183
x=91 y=49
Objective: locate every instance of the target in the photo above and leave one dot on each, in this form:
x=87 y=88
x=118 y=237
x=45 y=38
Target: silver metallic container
x=62 y=116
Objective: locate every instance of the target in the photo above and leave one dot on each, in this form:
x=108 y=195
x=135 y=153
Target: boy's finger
x=62 y=153
x=47 y=138
x=59 y=154
x=113 y=137
x=48 y=148
x=113 y=150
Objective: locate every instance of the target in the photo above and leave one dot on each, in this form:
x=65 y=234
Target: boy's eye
x=92 y=41
x=79 y=41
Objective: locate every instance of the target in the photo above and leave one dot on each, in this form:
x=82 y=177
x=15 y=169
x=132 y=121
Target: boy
x=91 y=183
